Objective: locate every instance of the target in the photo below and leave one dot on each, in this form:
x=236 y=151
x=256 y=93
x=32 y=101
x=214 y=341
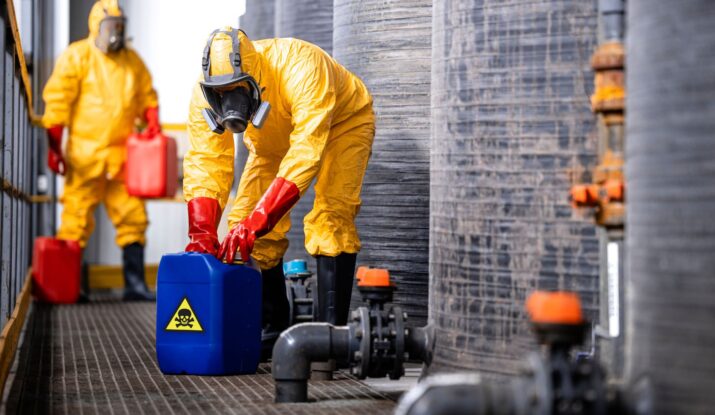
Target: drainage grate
x=100 y=358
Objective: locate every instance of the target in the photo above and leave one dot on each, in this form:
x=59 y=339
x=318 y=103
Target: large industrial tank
x=312 y=21
x=259 y=20
x=670 y=233
x=388 y=45
x=512 y=131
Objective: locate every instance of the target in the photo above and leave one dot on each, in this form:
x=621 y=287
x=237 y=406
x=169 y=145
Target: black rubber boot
x=276 y=311
x=135 y=288
x=332 y=303
x=84 y=284
x=335 y=286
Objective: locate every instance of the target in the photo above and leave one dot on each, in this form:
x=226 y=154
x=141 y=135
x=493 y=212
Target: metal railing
x=26 y=184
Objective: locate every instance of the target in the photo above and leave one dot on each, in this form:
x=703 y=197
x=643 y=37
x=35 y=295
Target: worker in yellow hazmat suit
x=98 y=90
x=305 y=117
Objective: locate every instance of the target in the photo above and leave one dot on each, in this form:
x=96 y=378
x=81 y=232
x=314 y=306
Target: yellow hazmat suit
x=321 y=126
x=99 y=97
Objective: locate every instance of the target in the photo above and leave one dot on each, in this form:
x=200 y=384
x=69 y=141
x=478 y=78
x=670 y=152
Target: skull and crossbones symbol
x=184 y=318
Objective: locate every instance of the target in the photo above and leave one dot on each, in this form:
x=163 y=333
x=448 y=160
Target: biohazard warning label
x=184 y=319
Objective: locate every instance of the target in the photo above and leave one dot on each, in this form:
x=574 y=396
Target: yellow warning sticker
x=184 y=319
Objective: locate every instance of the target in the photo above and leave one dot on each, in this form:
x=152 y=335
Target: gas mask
x=111 y=34
x=234 y=99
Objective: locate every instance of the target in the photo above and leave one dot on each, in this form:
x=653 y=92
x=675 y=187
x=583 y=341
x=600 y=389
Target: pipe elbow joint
x=297 y=347
x=420 y=344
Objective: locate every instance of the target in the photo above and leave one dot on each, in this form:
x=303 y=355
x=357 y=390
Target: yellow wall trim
x=173 y=126
x=109 y=277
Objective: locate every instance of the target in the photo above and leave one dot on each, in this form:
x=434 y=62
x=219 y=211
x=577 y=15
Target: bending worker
x=98 y=89
x=320 y=125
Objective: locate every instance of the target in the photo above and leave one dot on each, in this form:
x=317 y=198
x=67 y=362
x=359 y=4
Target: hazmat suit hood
x=230 y=65
x=100 y=10
x=222 y=48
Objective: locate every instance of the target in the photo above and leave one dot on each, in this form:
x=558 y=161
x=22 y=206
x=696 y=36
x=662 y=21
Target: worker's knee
x=268 y=252
x=331 y=231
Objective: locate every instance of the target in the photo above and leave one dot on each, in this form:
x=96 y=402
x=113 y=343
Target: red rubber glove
x=275 y=203
x=55 y=160
x=204 y=214
x=153 y=127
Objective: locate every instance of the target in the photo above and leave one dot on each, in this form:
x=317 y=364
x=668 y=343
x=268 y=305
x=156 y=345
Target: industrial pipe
x=375 y=343
x=419 y=343
x=471 y=394
x=294 y=351
x=553 y=383
x=460 y=394
x=612 y=19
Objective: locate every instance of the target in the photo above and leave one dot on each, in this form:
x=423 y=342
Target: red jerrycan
x=151 y=169
x=56 y=270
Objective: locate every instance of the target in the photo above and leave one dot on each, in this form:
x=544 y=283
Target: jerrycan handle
x=144 y=136
x=251 y=263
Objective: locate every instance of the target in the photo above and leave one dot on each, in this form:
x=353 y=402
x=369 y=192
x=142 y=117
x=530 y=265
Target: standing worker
x=98 y=89
x=319 y=125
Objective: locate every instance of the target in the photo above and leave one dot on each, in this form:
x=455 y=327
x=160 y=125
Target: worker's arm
x=258 y=173
x=208 y=164
x=63 y=87
x=208 y=174
x=60 y=95
x=147 y=101
x=312 y=103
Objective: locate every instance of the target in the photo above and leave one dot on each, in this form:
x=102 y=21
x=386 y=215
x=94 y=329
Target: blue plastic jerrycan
x=208 y=316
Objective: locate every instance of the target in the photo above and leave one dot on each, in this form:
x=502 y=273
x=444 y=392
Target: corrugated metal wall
x=512 y=131
x=388 y=45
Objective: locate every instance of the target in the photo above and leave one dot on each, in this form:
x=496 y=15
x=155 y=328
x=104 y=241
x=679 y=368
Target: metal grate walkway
x=100 y=358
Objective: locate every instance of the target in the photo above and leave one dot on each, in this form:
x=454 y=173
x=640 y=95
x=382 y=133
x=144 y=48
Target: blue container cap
x=296 y=266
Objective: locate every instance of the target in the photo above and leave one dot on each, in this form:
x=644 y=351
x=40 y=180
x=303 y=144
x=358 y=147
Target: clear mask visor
x=111 y=37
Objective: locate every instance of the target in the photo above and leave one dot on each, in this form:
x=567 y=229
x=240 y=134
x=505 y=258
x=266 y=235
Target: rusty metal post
x=606 y=193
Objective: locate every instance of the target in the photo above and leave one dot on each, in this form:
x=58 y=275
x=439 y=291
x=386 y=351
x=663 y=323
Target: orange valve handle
x=615 y=190
x=373 y=277
x=584 y=195
x=560 y=307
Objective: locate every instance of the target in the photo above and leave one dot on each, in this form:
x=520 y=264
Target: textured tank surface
x=259 y=20
x=512 y=131
x=388 y=45
x=670 y=233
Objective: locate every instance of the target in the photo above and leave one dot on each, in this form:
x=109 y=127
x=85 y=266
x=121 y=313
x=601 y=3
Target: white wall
x=167 y=232
x=61 y=25
x=170 y=36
